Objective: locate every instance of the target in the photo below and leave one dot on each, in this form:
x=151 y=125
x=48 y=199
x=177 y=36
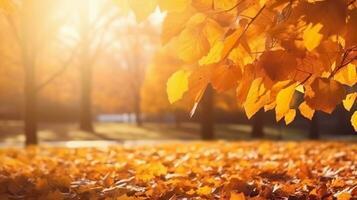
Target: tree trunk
x=29 y=52
x=258 y=124
x=138 y=119
x=314 y=128
x=86 y=123
x=206 y=117
x=30 y=102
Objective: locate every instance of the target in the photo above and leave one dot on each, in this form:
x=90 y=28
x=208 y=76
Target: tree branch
x=246 y=29
x=62 y=69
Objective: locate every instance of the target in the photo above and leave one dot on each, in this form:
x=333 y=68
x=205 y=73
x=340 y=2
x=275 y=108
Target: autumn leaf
x=278 y=65
x=225 y=4
x=214 y=55
x=325 y=95
x=347 y=75
x=149 y=171
x=354 y=120
x=221 y=49
x=344 y=196
x=290 y=116
x=256 y=98
x=198 y=82
x=204 y=191
x=225 y=77
x=177 y=85
x=192 y=45
x=306 y=110
x=244 y=84
x=312 y=37
x=283 y=101
x=349 y=101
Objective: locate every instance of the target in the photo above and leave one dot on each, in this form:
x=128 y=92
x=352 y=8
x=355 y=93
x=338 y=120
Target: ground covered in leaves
x=217 y=170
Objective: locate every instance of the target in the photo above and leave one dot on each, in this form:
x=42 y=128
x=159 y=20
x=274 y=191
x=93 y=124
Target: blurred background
x=86 y=70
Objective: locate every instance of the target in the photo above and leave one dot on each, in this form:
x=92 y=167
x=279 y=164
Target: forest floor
x=255 y=170
x=11 y=133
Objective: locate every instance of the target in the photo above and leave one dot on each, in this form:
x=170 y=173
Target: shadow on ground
x=11 y=132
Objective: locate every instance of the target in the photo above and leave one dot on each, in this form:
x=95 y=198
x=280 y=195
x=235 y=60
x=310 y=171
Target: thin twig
x=246 y=29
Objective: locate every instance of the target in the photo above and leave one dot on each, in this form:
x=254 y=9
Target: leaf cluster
x=266 y=50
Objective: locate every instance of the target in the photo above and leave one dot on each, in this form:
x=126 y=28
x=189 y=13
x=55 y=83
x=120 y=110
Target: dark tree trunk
x=206 y=114
x=138 y=117
x=30 y=102
x=85 y=121
x=28 y=48
x=258 y=124
x=314 y=133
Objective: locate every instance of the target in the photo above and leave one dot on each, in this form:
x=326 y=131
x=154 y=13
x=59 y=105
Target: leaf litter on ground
x=200 y=170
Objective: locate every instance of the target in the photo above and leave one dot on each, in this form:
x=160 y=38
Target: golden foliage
x=312 y=44
x=251 y=46
x=217 y=170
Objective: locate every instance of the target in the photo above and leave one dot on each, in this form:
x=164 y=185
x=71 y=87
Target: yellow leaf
x=221 y=49
x=262 y=2
x=344 y=196
x=347 y=75
x=148 y=171
x=256 y=98
x=354 y=120
x=240 y=57
x=192 y=46
x=290 y=116
x=214 y=55
x=283 y=100
x=177 y=85
x=174 y=5
x=312 y=37
x=142 y=8
x=192 y=43
x=237 y=196
x=306 y=110
x=349 y=101
x=225 y=4
x=270 y=106
x=204 y=191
